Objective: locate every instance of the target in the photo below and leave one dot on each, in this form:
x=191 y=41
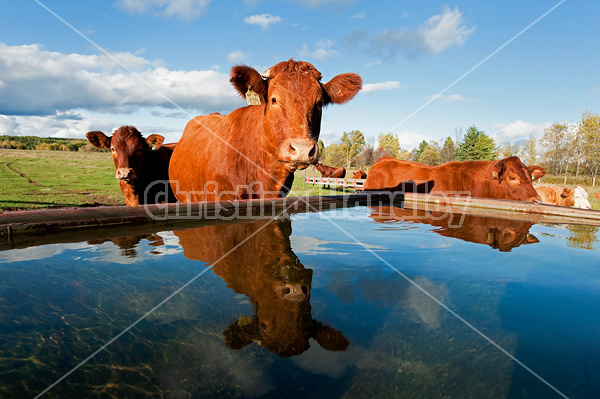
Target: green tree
x=351 y=145
x=529 y=152
x=417 y=151
x=590 y=131
x=430 y=156
x=447 y=151
x=508 y=150
x=333 y=155
x=475 y=146
x=389 y=143
x=556 y=143
x=321 y=148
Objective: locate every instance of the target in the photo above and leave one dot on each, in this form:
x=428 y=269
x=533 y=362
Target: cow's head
x=513 y=180
x=128 y=149
x=580 y=198
x=292 y=97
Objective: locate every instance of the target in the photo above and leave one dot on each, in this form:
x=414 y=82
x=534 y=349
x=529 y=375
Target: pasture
x=59 y=179
x=31 y=179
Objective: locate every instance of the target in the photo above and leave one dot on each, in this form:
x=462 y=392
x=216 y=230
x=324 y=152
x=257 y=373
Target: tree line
x=564 y=149
x=45 y=143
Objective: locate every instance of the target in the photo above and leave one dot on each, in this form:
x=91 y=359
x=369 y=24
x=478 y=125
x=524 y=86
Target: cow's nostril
x=312 y=151
x=293 y=150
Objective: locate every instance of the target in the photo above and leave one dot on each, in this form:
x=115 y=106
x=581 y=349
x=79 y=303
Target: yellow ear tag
x=252 y=97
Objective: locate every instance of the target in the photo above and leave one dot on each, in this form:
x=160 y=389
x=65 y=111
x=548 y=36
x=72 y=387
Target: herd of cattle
x=254 y=151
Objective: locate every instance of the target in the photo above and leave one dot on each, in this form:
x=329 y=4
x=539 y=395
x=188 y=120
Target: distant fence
x=338 y=182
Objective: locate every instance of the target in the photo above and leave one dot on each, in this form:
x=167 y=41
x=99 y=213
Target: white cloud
x=435 y=35
x=444 y=30
x=358 y=15
x=518 y=130
x=262 y=20
x=389 y=85
x=322 y=51
x=410 y=140
x=451 y=98
x=237 y=57
x=39 y=82
x=185 y=9
x=318 y=3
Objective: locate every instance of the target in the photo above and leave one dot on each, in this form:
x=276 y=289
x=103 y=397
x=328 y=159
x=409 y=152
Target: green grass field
x=62 y=179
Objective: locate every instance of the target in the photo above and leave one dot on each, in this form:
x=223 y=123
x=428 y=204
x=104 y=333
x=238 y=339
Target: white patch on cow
x=581 y=198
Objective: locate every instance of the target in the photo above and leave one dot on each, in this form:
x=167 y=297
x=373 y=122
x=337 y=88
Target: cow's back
x=389 y=174
x=556 y=195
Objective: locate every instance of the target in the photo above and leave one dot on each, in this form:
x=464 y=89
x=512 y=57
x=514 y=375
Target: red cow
x=254 y=151
x=142 y=164
x=500 y=234
x=359 y=174
x=256 y=259
x=504 y=179
x=128 y=244
x=330 y=171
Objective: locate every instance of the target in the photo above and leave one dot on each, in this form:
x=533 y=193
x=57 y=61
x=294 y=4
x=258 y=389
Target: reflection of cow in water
x=501 y=234
x=265 y=269
x=128 y=244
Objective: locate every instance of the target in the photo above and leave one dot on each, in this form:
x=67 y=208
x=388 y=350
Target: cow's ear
x=98 y=139
x=536 y=172
x=155 y=141
x=241 y=333
x=531 y=239
x=498 y=170
x=330 y=339
x=244 y=78
x=343 y=87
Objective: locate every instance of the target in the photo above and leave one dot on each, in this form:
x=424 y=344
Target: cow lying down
x=507 y=178
x=575 y=197
x=142 y=164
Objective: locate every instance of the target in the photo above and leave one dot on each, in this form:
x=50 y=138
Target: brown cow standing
x=500 y=234
x=253 y=151
x=330 y=171
x=264 y=268
x=142 y=164
x=359 y=174
x=504 y=179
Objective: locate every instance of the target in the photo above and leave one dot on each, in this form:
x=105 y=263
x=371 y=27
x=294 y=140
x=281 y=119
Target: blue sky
x=160 y=62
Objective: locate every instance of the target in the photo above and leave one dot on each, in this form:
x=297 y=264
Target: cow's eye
x=320 y=103
x=273 y=100
x=112 y=149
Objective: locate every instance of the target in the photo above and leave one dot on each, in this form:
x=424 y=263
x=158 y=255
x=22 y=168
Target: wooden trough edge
x=516 y=210
x=15 y=225
x=22 y=227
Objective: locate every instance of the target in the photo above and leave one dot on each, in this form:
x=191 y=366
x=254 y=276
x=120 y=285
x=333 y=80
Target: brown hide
x=504 y=179
x=330 y=171
x=142 y=165
x=128 y=244
x=501 y=234
x=556 y=195
x=256 y=259
x=359 y=174
x=253 y=151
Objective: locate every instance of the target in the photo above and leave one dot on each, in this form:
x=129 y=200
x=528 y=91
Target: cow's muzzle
x=125 y=174
x=299 y=152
